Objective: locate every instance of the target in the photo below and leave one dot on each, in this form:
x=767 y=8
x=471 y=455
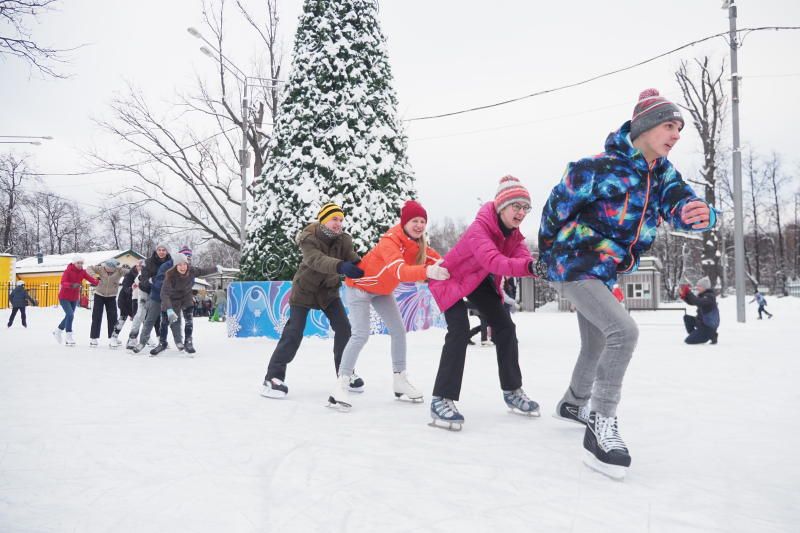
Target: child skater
x=327 y=254
x=492 y=247
x=596 y=223
x=401 y=255
x=19 y=299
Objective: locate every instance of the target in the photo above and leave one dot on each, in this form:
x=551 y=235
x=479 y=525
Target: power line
x=599 y=76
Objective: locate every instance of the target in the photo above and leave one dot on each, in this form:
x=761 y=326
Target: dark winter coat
x=150 y=270
x=707 y=309
x=604 y=213
x=125 y=299
x=316 y=283
x=71 y=282
x=109 y=281
x=176 y=292
x=19 y=297
x=158 y=280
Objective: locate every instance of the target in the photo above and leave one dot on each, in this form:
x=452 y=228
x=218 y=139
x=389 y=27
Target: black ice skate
x=604 y=449
x=356 y=383
x=189 y=347
x=274 y=388
x=158 y=349
x=577 y=414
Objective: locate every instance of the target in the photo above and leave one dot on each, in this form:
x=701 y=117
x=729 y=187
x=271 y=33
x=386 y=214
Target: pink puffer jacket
x=482 y=250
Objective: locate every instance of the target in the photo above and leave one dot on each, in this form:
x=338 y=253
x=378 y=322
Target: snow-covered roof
x=58 y=262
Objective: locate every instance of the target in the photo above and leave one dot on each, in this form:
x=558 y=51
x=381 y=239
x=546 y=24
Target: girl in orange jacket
x=402 y=255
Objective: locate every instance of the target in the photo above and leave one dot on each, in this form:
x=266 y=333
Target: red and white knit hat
x=509 y=191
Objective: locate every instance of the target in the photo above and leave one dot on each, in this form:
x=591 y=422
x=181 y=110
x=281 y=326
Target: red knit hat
x=509 y=191
x=412 y=209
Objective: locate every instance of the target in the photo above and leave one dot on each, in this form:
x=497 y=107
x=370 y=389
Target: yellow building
x=42 y=276
x=7 y=279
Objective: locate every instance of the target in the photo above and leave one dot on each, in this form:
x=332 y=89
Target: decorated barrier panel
x=261 y=309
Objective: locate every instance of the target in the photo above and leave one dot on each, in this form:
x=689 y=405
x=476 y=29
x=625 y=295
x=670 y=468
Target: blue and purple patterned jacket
x=605 y=211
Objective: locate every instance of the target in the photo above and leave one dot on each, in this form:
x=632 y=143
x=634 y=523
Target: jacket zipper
x=641 y=220
x=624 y=209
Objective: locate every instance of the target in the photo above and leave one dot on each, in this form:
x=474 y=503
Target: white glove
x=437 y=272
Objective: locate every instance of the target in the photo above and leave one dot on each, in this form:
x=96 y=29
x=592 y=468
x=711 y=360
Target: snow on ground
x=100 y=440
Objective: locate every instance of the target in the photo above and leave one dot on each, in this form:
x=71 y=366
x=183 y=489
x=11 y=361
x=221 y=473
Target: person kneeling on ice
x=401 y=255
x=492 y=247
x=703 y=327
x=596 y=223
x=68 y=296
x=327 y=254
x=176 y=299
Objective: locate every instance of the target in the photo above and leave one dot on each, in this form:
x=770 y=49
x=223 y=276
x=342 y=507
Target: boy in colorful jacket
x=596 y=223
x=492 y=247
x=401 y=255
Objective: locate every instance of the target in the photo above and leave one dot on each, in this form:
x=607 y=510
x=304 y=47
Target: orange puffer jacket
x=392 y=261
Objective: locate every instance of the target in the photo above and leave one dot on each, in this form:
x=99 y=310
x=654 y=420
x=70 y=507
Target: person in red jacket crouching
x=68 y=296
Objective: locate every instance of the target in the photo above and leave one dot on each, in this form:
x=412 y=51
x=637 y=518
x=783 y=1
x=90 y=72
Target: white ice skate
x=403 y=390
x=69 y=341
x=339 y=397
x=114 y=342
x=93 y=343
x=57 y=336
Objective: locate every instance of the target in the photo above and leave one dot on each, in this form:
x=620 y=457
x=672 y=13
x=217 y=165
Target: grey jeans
x=141 y=311
x=608 y=338
x=358 y=304
x=152 y=319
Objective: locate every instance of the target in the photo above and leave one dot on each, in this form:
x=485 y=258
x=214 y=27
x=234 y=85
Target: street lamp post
x=24 y=139
x=244 y=153
x=738 y=216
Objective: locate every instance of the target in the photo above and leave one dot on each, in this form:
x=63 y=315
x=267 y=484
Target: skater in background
x=327 y=254
x=703 y=327
x=220 y=302
x=105 y=296
x=68 y=295
x=149 y=270
x=596 y=223
x=127 y=301
x=492 y=247
x=19 y=299
x=401 y=255
x=176 y=300
x=762 y=304
x=482 y=327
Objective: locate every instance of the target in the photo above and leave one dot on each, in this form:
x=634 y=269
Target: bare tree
x=54 y=211
x=13 y=172
x=776 y=180
x=704 y=99
x=19 y=42
x=756 y=182
x=445 y=234
x=196 y=177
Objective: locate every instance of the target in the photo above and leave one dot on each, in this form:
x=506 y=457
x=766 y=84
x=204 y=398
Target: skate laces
x=444 y=407
x=607 y=433
x=517 y=398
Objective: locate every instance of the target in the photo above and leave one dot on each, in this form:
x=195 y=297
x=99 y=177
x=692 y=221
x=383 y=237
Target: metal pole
x=244 y=162
x=738 y=217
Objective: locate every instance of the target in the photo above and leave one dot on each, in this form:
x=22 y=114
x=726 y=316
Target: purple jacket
x=482 y=250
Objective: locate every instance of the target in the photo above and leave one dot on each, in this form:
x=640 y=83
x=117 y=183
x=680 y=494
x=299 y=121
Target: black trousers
x=698 y=332
x=110 y=305
x=292 y=336
x=454 y=352
x=21 y=314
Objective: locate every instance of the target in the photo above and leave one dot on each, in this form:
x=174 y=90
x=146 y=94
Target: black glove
x=349 y=269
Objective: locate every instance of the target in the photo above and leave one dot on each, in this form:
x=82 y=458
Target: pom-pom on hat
x=412 y=209
x=328 y=211
x=509 y=191
x=652 y=110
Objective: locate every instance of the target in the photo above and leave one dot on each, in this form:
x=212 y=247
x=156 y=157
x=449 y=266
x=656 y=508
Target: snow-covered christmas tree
x=337 y=138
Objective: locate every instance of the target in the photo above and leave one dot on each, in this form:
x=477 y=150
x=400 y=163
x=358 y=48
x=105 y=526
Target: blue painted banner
x=261 y=309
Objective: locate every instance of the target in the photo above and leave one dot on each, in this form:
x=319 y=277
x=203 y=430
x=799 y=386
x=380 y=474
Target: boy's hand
x=696 y=214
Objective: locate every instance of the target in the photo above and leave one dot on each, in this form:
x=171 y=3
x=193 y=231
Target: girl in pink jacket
x=492 y=247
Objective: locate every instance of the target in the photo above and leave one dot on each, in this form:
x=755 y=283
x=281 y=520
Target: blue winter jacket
x=604 y=213
x=19 y=297
x=158 y=280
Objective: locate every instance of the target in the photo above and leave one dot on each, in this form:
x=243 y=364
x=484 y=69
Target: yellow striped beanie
x=327 y=211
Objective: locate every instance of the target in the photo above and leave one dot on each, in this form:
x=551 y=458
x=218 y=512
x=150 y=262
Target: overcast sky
x=446 y=55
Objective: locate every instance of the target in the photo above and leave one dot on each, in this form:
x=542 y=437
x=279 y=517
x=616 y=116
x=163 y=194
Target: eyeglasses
x=517 y=207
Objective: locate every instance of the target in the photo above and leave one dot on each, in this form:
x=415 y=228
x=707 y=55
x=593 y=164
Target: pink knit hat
x=509 y=191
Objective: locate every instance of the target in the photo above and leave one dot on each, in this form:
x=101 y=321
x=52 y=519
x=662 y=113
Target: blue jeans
x=69 y=313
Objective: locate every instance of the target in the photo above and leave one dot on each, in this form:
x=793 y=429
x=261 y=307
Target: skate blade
x=572 y=420
x=406 y=398
x=359 y=390
x=615 y=472
x=449 y=426
x=272 y=393
x=340 y=406
x=529 y=414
